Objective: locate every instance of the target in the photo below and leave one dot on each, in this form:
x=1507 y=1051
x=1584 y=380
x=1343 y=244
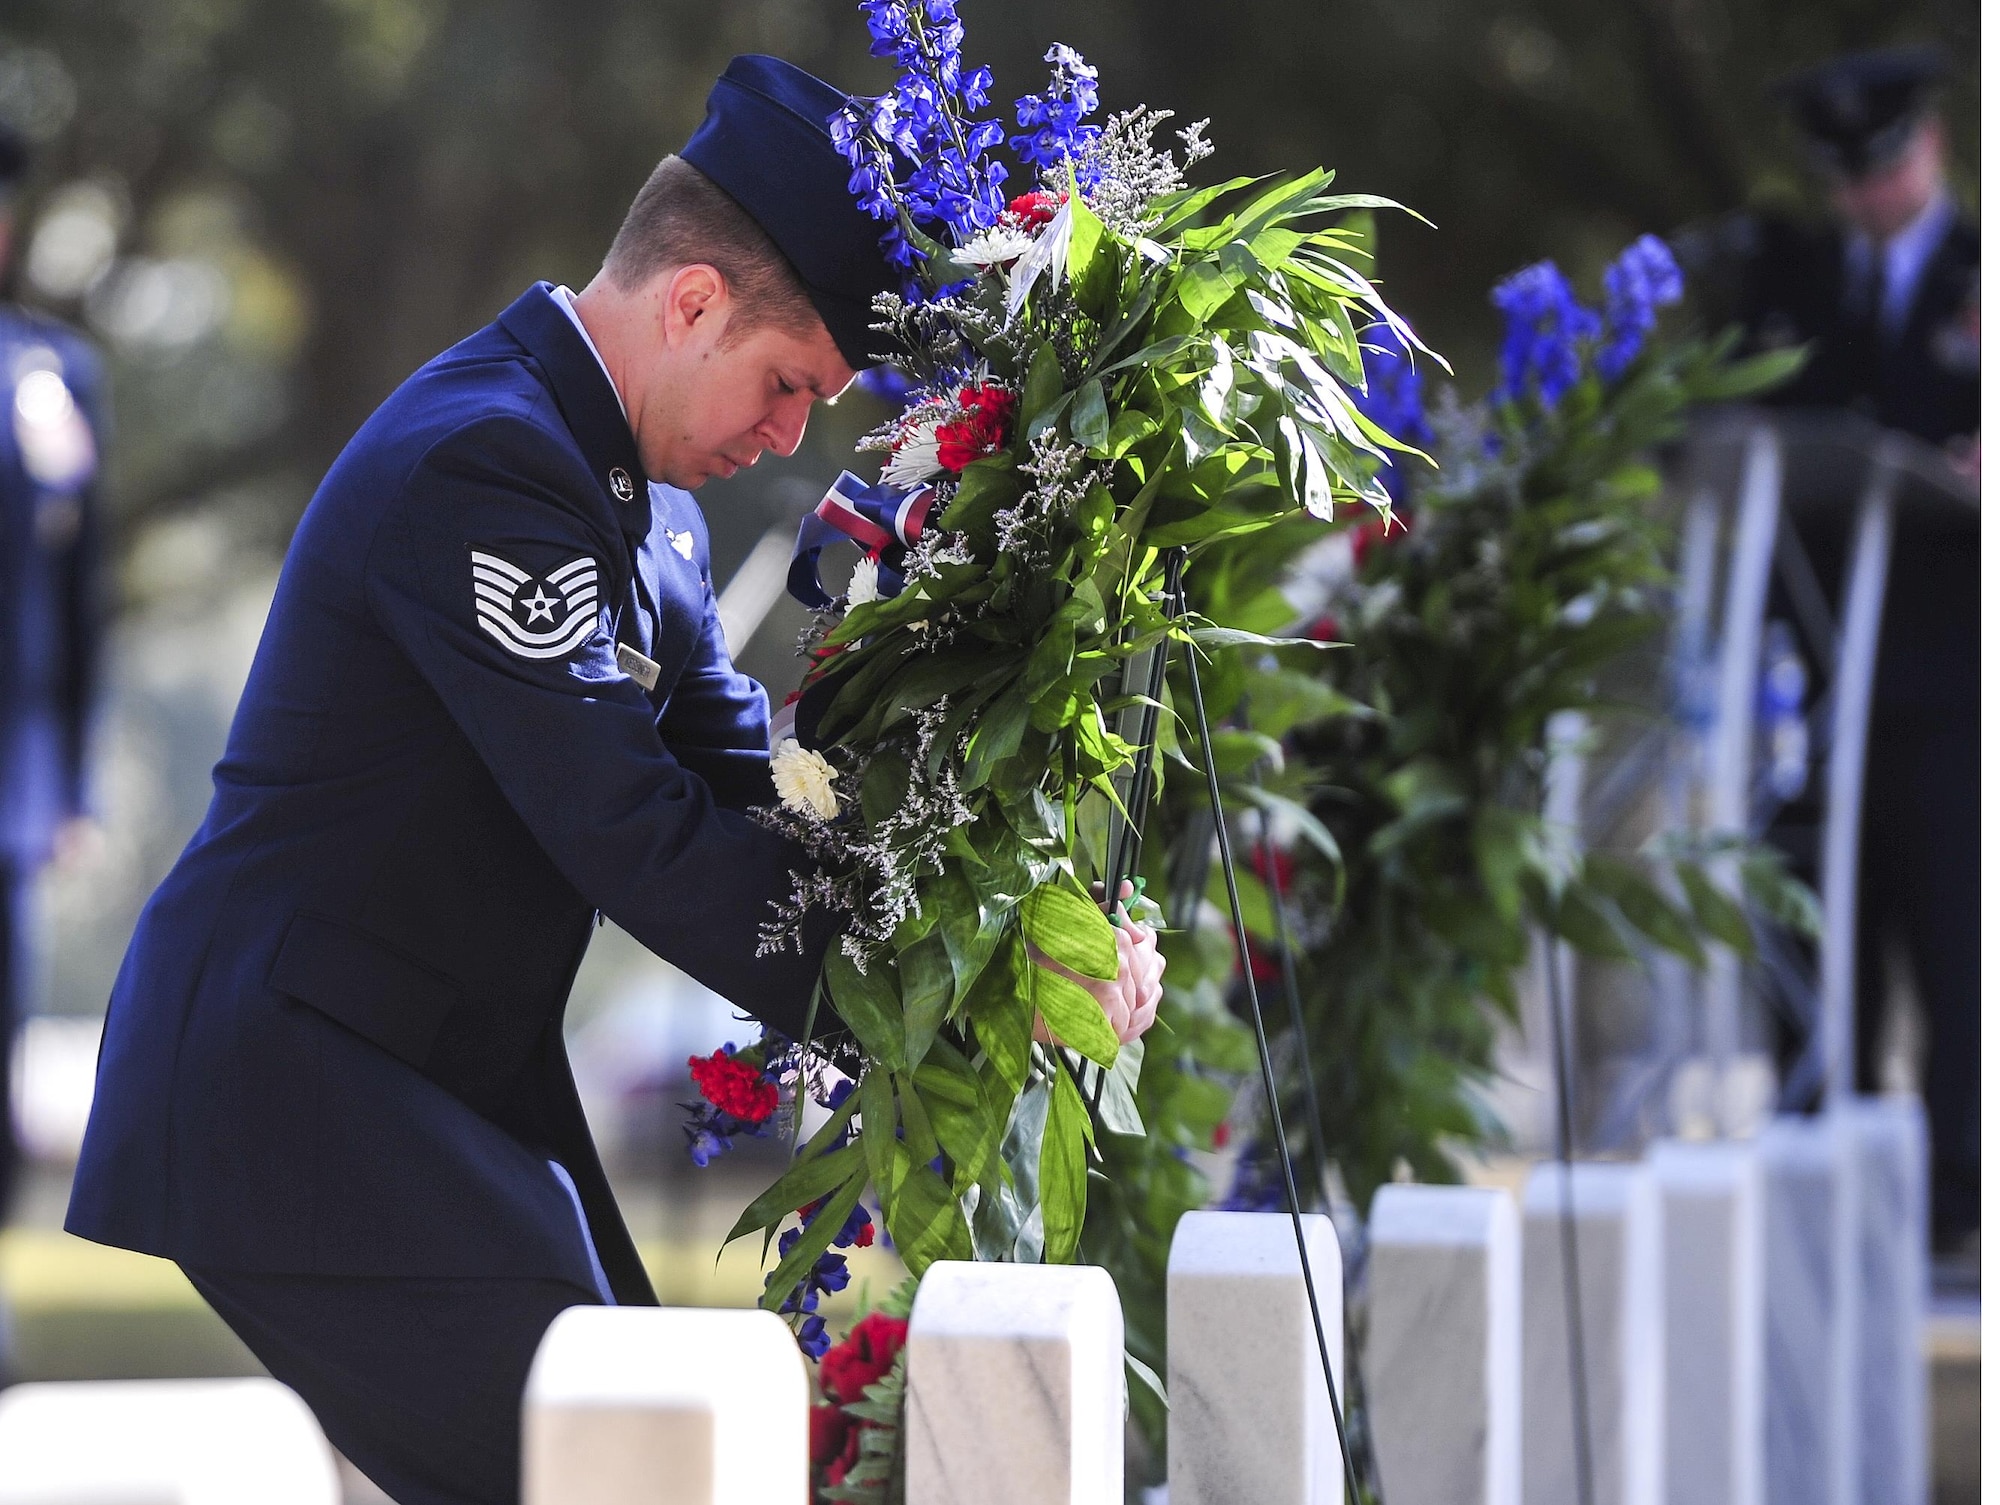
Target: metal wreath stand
x=1122 y=861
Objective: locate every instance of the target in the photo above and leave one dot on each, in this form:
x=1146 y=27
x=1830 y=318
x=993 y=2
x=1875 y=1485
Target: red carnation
x=979 y=429
x=867 y=1353
x=736 y=1087
x=1034 y=210
x=830 y=1431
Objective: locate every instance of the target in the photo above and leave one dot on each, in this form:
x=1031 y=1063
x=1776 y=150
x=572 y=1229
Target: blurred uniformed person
x=50 y=617
x=492 y=703
x=1887 y=294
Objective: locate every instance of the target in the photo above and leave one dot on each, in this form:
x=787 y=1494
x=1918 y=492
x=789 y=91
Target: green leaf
x=1586 y=927
x=1074 y=1016
x=1236 y=637
x=1148 y=1380
x=1716 y=913
x=1049 y=664
x=1003 y=1013
x=1769 y=885
x=1071 y=930
x=928 y=989
x=867 y=1003
x=1202 y=289
x=812 y=1175
x=924 y=1219
x=876 y=1097
x=1118 y=1103
x=968 y=1132
x=1064 y=1178
x=1043 y=386
x=1089 y=422
x=1643 y=904
x=813 y=1240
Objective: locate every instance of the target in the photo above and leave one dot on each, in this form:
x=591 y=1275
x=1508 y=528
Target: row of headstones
x=1749 y=1322
x=1750 y=1333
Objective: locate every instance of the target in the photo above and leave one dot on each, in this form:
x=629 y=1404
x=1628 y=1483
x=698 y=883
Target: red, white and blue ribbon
x=884 y=520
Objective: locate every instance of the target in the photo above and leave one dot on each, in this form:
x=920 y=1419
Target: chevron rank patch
x=534 y=616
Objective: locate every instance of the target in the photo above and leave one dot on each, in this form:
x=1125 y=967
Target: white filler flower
x=804 y=780
x=861 y=585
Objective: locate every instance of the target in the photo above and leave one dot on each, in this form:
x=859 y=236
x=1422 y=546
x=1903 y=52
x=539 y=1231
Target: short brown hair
x=680 y=218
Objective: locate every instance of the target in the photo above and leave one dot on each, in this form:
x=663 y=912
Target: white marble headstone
x=1248 y=1416
x=1617 y=1223
x=1442 y=1355
x=1892 y=1174
x=162 y=1442
x=1016 y=1386
x=1810 y=1453
x=1712 y=1220
x=666 y=1406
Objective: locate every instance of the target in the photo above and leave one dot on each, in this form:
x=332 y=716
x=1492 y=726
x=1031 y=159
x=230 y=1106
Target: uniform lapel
x=589 y=405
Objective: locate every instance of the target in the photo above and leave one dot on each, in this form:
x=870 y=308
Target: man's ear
x=696 y=305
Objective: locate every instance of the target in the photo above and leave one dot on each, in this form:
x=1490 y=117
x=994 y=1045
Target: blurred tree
x=311 y=197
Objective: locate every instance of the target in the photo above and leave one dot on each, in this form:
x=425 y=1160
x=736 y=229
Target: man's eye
x=785 y=388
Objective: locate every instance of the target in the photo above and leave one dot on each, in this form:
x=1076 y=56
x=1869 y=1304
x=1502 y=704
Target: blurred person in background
x=50 y=619
x=1885 y=291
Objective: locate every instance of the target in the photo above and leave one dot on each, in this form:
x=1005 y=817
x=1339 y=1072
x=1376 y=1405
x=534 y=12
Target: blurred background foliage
x=271 y=211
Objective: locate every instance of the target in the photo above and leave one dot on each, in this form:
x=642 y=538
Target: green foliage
x=1196 y=377
x=1525 y=577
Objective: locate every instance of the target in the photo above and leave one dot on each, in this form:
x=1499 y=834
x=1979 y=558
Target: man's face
x=1886 y=200
x=715 y=401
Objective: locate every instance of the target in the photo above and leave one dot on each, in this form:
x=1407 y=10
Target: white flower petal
x=804 y=780
x=861 y=586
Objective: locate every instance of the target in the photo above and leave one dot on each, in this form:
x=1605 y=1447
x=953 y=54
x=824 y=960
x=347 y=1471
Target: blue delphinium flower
x=1643 y=279
x=813 y=1341
x=1547 y=330
x=928 y=121
x=1394 y=400
x=885 y=382
x=1053 y=121
x=829 y=1273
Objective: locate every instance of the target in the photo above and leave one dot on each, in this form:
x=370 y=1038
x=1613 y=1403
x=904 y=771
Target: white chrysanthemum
x=861 y=588
x=915 y=460
x=805 y=780
x=993 y=248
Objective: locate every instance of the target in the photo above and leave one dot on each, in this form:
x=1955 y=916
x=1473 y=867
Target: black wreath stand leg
x=1122 y=864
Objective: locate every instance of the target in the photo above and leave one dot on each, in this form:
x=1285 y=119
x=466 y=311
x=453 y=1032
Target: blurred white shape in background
x=55 y=1071
x=162 y=1442
x=165 y=303
x=637 y=1044
x=75 y=241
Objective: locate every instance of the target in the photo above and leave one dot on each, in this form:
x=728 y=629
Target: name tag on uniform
x=634 y=663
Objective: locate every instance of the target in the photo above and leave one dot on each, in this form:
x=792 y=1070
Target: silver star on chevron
x=540 y=605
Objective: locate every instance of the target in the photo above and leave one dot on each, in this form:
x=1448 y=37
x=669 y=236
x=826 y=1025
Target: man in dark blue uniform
x=492 y=703
x=1887 y=295
x=50 y=418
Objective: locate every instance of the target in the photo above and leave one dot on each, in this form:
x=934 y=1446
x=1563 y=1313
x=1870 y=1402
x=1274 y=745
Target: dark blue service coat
x=335 y=1046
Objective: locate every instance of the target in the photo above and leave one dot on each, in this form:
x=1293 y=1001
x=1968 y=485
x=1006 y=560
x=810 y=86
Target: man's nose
x=786 y=428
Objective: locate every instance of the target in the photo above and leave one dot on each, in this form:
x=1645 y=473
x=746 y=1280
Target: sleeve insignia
x=534 y=616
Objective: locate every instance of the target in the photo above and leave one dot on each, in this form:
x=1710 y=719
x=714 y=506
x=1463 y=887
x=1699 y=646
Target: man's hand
x=1130 y=1000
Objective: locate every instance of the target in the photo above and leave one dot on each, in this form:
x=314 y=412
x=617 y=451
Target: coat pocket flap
x=365 y=984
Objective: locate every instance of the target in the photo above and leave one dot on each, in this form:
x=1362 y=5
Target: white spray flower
x=861 y=588
x=915 y=459
x=805 y=780
x=993 y=249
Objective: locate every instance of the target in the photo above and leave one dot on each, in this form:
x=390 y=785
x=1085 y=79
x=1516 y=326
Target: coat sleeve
x=569 y=739
x=717 y=722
